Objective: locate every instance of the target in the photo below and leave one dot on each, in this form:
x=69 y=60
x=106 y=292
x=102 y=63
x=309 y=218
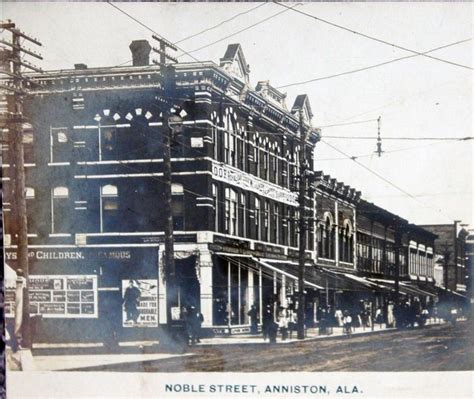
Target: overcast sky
x=415 y=97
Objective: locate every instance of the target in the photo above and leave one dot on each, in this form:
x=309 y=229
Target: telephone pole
x=13 y=85
x=302 y=226
x=170 y=124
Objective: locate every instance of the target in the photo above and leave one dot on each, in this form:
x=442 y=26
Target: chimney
x=80 y=66
x=140 y=52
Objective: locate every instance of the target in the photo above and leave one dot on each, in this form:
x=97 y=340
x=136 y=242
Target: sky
x=431 y=181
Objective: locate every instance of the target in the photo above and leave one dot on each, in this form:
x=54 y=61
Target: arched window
x=177 y=205
x=29 y=193
x=60 y=210
x=109 y=208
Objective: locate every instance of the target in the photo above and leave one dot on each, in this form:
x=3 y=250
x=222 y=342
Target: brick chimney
x=140 y=52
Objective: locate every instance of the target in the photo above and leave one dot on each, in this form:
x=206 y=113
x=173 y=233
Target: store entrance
x=189 y=292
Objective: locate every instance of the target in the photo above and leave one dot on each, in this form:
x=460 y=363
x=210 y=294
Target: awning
x=290 y=270
x=405 y=288
x=350 y=282
x=286 y=269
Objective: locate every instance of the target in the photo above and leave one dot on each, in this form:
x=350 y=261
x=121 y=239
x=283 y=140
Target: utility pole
x=398 y=244
x=170 y=124
x=379 y=139
x=455 y=253
x=302 y=227
x=446 y=256
x=13 y=120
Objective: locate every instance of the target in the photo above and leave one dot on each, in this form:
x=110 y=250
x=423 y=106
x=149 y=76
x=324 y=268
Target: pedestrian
x=191 y=324
x=292 y=322
x=379 y=317
x=131 y=299
x=347 y=320
x=199 y=321
x=253 y=314
x=266 y=322
x=338 y=316
x=283 y=323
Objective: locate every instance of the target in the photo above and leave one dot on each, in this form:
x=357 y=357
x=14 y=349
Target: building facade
x=94 y=149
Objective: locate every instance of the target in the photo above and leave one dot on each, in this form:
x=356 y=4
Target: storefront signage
x=140 y=303
x=49 y=255
x=243 y=180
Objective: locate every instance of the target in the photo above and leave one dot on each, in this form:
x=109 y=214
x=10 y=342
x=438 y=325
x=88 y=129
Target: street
x=436 y=348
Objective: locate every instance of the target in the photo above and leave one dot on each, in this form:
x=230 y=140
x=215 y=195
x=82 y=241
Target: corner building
x=94 y=163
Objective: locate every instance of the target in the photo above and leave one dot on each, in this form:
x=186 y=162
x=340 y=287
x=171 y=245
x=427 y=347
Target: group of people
x=283 y=320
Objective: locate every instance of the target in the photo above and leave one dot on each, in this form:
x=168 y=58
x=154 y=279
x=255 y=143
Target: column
x=206 y=287
x=260 y=283
x=161 y=287
x=250 y=294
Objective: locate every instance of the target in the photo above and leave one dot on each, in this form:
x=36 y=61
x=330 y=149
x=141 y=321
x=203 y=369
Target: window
x=108 y=143
x=109 y=208
x=28 y=144
x=177 y=206
x=230 y=211
x=60 y=145
x=266 y=221
x=60 y=210
x=216 y=207
x=243 y=213
x=257 y=219
x=276 y=224
x=29 y=193
x=230 y=141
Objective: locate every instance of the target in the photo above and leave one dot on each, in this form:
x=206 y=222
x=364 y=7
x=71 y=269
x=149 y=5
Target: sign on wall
x=63 y=296
x=140 y=303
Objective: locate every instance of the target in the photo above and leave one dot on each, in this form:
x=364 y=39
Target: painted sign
x=140 y=303
x=238 y=178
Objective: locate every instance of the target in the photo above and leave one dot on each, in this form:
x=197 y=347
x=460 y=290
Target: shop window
x=109 y=208
x=177 y=206
x=60 y=210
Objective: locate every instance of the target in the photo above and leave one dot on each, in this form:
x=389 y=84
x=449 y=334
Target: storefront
x=84 y=294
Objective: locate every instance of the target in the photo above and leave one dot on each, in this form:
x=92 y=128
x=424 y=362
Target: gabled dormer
x=234 y=62
x=302 y=102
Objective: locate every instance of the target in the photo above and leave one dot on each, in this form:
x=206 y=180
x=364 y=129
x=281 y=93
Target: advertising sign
x=140 y=303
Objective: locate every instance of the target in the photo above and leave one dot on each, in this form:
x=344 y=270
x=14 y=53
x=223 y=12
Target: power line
x=372 y=66
x=379 y=175
x=372 y=37
x=402 y=138
x=241 y=30
x=347 y=123
x=151 y=30
x=220 y=23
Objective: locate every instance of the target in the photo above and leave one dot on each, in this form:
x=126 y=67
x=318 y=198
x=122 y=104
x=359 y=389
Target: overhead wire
x=241 y=30
x=381 y=177
x=373 y=38
x=370 y=66
x=220 y=23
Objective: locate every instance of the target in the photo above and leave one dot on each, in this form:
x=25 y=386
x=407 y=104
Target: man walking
x=130 y=302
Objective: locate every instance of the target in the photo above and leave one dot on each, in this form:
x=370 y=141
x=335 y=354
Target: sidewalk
x=64 y=357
